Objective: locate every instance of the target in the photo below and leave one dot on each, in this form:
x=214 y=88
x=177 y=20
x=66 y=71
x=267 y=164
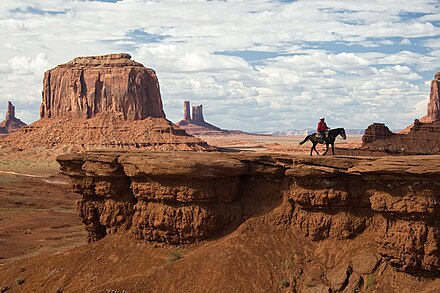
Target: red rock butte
x=98 y=102
x=88 y=86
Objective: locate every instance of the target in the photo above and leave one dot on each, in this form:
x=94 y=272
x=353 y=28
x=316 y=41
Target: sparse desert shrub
x=287 y=264
x=370 y=282
x=175 y=255
x=20 y=281
x=285 y=283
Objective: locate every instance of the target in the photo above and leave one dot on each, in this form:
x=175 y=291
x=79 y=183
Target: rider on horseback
x=322 y=127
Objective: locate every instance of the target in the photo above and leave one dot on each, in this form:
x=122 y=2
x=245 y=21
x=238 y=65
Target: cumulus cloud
x=338 y=58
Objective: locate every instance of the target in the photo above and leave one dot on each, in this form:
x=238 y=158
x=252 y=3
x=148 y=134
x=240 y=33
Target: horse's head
x=343 y=133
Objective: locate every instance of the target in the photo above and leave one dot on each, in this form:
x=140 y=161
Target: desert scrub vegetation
x=285 y=283
x=370 y=282
x=175 y=255
x=20 y=281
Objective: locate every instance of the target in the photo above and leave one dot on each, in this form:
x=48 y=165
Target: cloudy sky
x=253 y=64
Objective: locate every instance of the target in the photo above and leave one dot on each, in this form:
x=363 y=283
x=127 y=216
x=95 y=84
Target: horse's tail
x=305 y=139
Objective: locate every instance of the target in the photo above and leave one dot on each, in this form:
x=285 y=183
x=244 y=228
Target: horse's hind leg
x=314 y=148
x=333 y=149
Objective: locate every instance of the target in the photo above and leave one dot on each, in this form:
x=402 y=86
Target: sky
x=255 y=65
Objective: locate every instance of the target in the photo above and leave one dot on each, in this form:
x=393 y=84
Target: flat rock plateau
x=243 y=222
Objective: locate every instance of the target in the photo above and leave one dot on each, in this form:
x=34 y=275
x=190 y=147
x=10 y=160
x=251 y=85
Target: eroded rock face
x=88 y=86
x=183 y=198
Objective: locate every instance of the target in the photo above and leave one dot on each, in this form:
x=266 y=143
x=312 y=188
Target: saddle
x=319 y=136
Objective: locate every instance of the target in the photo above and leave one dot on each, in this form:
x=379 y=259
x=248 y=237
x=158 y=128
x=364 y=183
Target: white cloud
x=311 y=77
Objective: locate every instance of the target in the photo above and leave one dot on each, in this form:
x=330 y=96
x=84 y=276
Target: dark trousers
x=323 y=135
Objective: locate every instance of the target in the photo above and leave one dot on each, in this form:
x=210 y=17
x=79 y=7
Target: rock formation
x=433 y=113
x=421 y=137
x=376 y=131
x=11 y=123
x=196 y=124
x=108 y=84
x=181 y=198
x=107 y=101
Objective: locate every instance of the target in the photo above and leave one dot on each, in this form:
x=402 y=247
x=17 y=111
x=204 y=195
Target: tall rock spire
x=433 y=113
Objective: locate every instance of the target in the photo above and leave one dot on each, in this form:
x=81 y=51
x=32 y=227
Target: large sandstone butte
x=323 y=224
x=11 y=123
x=107 y=101
x=421 y=137
x=88 y=86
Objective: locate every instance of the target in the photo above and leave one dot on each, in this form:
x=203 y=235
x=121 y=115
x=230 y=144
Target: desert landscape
x=104 y=194
x=166 y=146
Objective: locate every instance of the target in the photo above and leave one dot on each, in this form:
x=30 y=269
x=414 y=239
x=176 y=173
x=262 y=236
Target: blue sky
x=254 y=65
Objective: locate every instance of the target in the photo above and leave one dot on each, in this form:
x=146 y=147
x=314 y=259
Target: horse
x=331 y=137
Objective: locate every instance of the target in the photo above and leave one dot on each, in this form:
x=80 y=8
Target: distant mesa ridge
x=11 y=123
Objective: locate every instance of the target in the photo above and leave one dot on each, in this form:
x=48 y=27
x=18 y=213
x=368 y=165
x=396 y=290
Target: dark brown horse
x=331 y=137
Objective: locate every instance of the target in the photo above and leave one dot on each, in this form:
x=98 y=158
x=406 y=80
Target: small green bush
x=285 y=283
x=175 y=255
x=370 y=282
x=20 y=281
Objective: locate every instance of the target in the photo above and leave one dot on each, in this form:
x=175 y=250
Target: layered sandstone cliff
x=181 y=198
x=88 y=86
x=11 y=123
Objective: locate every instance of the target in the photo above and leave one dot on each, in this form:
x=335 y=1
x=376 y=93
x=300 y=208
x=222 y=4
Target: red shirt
x=322 y=126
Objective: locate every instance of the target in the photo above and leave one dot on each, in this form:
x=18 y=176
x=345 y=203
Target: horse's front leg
x=314 y=148
x=333 y=149
x=326 y=149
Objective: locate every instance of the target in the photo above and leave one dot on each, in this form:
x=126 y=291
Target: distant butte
x=107 y=101
x=11 y=123
x=195 y=124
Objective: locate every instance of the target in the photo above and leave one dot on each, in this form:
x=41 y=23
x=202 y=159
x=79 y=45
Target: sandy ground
x=278 y=144
x=36 y=209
